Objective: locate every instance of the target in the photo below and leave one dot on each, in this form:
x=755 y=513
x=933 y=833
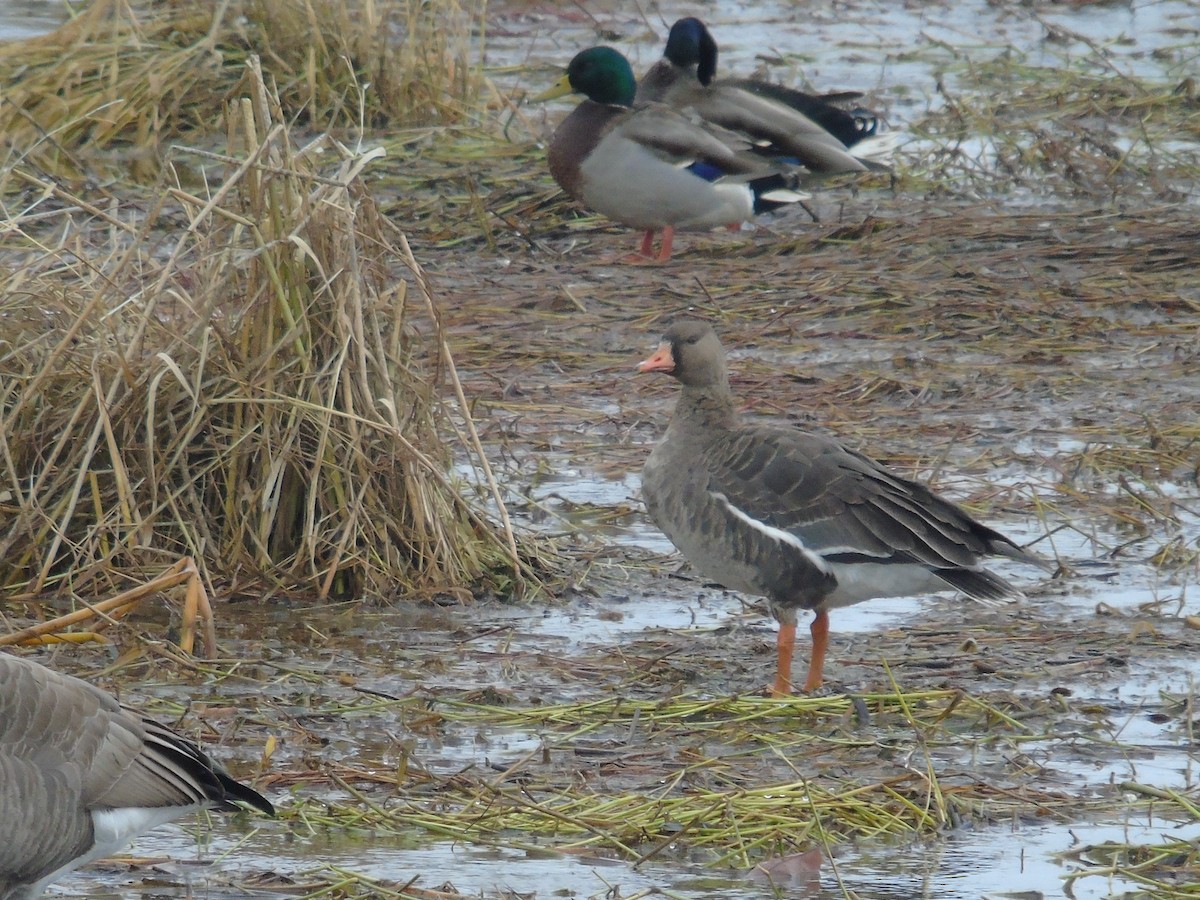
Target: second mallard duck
x=651 y=167
x=786 y=122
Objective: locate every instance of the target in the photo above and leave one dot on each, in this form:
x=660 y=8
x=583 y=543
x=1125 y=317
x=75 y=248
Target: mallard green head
x=601 y=74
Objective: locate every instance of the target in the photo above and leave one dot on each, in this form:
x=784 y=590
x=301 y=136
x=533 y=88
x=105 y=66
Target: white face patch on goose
x=776 y=534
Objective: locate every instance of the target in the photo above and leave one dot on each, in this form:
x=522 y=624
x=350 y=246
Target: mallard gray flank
x=81 y=776
x=797 y=517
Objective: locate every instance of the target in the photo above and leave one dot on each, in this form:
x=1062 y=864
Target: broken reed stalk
x=250 y=389
x=136 y=74
x=196 y=610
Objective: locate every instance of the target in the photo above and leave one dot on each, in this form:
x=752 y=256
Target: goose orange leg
x=785 y=644
x=820 y=643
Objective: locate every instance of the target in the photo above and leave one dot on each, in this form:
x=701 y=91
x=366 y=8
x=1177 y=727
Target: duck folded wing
x=674 y=137
x=784 y=130
x=848 y=127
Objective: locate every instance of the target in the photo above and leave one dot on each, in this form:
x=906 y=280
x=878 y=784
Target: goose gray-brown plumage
x=797 y=517
x=81 y=776
x=649 y=166
x=781 y=121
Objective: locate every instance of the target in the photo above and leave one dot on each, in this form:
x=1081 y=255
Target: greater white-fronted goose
x=81 y=776
x=805 y=128
x=797 y=517
x=649 y=166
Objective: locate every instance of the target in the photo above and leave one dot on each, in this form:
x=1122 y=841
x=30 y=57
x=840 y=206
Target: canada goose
x=797 y=517
x=81 y=776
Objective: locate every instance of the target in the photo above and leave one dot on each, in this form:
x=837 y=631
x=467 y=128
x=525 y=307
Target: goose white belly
x=857 y=582
x=113 y=830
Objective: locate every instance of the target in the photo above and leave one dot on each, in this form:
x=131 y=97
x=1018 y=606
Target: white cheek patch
x=776 y=534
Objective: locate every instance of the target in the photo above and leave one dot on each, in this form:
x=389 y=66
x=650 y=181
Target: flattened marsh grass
x=1080 y=128
x=731 y=779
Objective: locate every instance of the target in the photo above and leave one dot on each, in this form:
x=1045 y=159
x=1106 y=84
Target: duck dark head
x=603 y=75
x=691 y=353
x=690 y=44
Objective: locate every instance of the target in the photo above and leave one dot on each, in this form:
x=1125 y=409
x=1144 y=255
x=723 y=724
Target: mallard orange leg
x=668 y=241
x=645 y=255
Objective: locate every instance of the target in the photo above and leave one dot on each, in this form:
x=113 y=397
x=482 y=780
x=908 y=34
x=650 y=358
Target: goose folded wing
x=172 y=771
x=843 y=506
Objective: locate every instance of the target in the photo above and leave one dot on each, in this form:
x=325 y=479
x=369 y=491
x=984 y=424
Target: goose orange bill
x=663 y=360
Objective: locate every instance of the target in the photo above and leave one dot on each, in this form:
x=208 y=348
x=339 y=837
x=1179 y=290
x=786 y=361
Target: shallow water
x=902 y=52
x=965 y=865
x=29 y=18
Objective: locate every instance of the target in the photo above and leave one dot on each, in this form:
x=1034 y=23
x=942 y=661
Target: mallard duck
x=649 y=166
x=81 y=776
x=797 y=517
x=784 y=121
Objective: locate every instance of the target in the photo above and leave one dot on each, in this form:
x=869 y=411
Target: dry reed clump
x=235 y=376
x=131 y=76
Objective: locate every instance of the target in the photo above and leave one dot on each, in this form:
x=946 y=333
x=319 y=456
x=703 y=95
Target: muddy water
x=394 y=650
x=969 y=866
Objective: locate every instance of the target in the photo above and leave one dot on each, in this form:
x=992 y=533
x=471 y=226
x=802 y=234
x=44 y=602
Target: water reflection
x=28 y=18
